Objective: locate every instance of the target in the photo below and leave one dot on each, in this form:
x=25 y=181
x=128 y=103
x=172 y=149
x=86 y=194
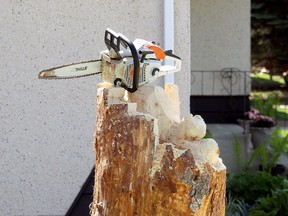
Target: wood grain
x=136 y=173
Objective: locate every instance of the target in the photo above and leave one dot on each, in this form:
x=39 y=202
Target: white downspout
x=169 y=34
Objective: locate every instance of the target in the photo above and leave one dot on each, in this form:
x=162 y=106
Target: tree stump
x=149 y=162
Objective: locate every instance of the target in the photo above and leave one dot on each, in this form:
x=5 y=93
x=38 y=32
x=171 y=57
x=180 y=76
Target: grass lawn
x=282 y=113
x=265 y=78
x=284 y=133
x=263 y=82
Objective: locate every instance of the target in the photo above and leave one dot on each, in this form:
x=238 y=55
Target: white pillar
x=169 y=34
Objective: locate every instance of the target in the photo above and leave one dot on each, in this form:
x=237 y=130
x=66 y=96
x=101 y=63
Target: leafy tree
x=269 y=33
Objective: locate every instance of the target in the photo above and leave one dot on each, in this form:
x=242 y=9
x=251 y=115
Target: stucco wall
x=46 y=127
x=182 y=46
x=220 y=38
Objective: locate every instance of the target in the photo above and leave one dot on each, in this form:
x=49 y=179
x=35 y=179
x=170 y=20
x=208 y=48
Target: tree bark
x=148 y=162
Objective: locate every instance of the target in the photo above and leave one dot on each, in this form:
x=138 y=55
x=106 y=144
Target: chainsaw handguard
x=115 y=41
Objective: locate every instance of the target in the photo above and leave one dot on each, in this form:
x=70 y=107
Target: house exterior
x=47 y=127
x=220 y=59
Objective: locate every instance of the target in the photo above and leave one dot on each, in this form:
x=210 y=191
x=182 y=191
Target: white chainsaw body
x=124 y=63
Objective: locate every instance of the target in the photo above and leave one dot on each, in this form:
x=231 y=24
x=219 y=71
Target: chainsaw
x=125 y=64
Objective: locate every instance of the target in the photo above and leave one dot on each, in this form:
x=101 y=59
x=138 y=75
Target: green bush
x=274 y=205
x=257 y=194
x=235 y=206
x=251 y=186
x=266 y=106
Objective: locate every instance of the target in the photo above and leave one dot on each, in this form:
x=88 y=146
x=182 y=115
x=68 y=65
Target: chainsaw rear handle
x=114 y=40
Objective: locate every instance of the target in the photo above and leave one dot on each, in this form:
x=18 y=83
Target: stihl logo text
x=81 y=68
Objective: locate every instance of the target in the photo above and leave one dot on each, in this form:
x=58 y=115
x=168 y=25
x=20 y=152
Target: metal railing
x=234 y=82
x=228 y=81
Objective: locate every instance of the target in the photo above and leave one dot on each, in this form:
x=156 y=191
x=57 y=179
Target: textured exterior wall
x=46 y=127
x=220 y=38
x=182 y=46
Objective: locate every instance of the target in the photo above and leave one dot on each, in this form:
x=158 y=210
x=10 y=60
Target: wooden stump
x=148 y=162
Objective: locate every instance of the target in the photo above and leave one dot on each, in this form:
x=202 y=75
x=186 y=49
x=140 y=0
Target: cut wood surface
x=149 y=162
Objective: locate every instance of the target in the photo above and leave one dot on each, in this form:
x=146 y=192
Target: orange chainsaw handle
x=158 y=51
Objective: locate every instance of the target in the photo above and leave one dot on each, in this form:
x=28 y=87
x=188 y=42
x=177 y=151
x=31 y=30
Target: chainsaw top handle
x=114 y=40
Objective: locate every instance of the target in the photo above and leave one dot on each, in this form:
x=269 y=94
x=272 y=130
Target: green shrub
x=268 y=106
x=258 y=193
x=235 y=207
x=251 y=186
x=274 y=205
